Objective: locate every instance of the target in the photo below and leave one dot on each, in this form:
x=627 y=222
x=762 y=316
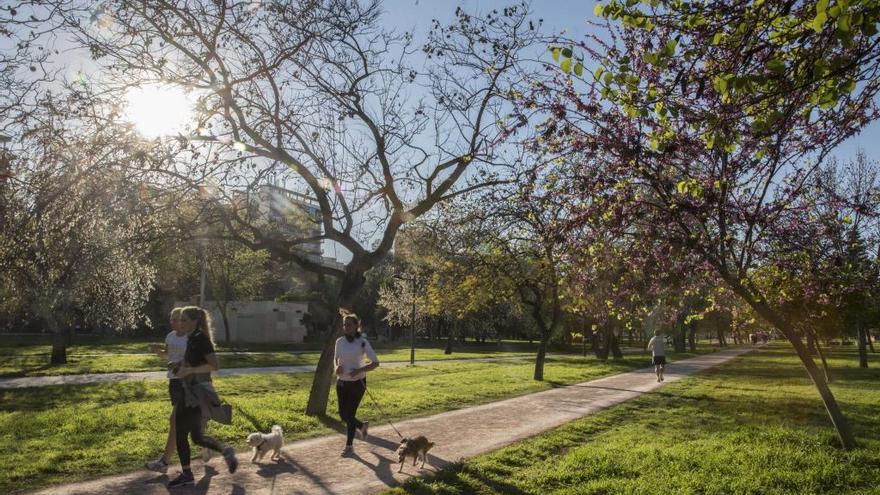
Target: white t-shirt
x=350 y=355
x=657 y=345
x=176 y=347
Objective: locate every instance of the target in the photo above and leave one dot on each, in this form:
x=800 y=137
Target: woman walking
x=351 y=377
x=172 y=353
x=199 y=395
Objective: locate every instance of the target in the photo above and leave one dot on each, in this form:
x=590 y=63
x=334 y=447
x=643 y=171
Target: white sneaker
x=159 y=465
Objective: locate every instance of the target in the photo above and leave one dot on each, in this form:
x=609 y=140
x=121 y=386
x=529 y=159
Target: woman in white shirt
x=351 y=377
x=172 y=352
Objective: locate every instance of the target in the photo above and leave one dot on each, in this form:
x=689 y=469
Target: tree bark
x=60 y=341
x=223 y=313
x=863 y=346
x=825 y=368
x=450 y=339
x=614 y=342
x=692 y=336
x=541 y=356
x=597 y=347
x=811 y=344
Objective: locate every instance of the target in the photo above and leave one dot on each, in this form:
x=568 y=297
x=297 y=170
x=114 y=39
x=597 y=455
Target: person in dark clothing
x=351 y=377
x=198 y=363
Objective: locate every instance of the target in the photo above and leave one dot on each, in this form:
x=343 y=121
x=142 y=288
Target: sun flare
x=159 y=110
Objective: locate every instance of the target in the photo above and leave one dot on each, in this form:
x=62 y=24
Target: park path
x=86 y=378
x=314 y=466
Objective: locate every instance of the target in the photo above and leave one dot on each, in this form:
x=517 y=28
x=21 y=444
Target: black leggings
x=188 y=421
x=349 y=395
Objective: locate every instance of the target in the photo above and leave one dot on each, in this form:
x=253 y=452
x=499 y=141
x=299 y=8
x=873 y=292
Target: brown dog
x=417 y=447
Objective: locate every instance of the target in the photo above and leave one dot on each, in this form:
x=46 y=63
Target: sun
x=159 y=110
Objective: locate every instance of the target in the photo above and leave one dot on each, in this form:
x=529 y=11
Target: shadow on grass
x=461 y=476
x=332 y=423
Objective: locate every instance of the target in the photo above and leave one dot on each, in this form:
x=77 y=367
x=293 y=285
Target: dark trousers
x=349 y=395
x=188 y=422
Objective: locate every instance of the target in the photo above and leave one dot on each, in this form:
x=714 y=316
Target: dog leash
x=376 y=403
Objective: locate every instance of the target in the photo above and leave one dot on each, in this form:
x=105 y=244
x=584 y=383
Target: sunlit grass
x=29 y=356
x=753 y=426
x=92 y=430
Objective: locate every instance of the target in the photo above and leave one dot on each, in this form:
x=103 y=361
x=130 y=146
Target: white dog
x=264 y=442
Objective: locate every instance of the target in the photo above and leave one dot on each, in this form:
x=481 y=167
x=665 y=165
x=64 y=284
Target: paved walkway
x=82 y=379
x=314 y=466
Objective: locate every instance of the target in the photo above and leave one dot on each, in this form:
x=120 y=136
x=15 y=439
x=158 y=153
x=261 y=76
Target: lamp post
x=412 y=321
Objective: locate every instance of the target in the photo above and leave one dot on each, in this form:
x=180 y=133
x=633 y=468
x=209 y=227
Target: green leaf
x=566 y=65
x=717 y=38
x=682 y=187
x=608 y=77
x=819 y=22
x=721 y=84
x=555 y=51
x=598 y=73
x=598 y=11
x=579 y=69
x=566 y=52
x=843 y=23
x=777 y=66
x=821 y=6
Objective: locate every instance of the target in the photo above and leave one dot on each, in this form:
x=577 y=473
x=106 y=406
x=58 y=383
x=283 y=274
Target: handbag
x=222 y=413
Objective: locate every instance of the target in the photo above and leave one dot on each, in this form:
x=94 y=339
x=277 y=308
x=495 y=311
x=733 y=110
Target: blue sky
x=561 y=15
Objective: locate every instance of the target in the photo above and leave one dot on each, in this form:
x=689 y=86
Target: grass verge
x=753 y=426
x=92 y=430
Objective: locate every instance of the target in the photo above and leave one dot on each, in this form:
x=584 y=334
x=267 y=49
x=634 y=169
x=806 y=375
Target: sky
x=570 y=16
x=558 y=15
x=565 y=16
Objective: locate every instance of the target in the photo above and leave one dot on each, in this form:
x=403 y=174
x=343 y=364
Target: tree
x=235 y=273
x=72 y=225
x=315 y=93
x=719 y=113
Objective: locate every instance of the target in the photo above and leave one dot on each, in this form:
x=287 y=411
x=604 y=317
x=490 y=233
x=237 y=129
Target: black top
x=198 y=345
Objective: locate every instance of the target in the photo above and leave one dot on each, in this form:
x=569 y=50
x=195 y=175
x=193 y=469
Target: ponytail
x=202 y=319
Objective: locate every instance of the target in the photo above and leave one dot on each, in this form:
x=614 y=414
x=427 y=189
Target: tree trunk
x=721 y=340
x=863 y=346
x=824 y=363
x=847 y=440
x=542 y=354
x=811 y=344
x=692 y=336
x=596 y=346
x=223 y=313
x=60 y=341
x=323 y=379
x=614 y=345
x=451 y=338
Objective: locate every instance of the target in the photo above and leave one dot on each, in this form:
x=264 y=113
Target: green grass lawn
x=77 y=363
x=29 y=356
x=91 y=430
x=134 y=355
x=753 y=426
